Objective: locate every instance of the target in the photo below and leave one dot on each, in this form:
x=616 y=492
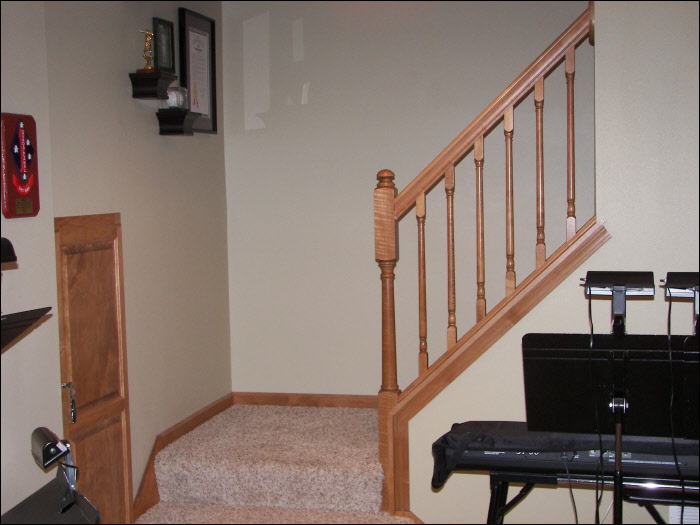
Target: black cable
x=600 y=468
x=571 y=490
x=673 y=433
x=70 y=466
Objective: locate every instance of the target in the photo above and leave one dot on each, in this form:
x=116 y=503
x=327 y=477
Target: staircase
x=273 y=464
x=211 y=484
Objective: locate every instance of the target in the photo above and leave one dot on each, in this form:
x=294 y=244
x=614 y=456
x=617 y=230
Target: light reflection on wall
x=256 y=70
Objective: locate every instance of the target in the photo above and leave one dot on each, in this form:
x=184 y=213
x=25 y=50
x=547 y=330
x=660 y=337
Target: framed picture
x=164 y=49
x=198 y=67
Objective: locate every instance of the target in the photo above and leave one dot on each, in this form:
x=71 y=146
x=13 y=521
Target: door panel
x=92 y=319
x=102 y=445
x=93 y=357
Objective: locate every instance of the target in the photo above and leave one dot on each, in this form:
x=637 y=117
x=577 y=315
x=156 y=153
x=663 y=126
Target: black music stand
x=571 y=381
x=684 y=285
x=619 y=285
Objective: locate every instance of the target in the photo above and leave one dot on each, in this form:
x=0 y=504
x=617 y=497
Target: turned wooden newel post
x=386 y=249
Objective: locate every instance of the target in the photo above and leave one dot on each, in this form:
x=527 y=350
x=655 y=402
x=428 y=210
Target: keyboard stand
x=512 y=454
x=632 y=492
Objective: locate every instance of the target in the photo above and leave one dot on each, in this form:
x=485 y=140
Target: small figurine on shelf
x=147 y=51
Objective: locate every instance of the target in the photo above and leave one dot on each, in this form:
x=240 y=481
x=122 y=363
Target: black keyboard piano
x=655 y=470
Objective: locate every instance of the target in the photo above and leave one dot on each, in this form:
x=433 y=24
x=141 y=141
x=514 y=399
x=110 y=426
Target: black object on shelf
x=8 y=251
x=176 y=121
x=150 y=84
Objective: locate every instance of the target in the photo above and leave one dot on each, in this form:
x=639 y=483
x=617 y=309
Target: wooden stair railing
x=396 y=408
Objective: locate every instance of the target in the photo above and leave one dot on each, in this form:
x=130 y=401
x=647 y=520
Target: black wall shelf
x=14 y=325
x=176 y=121
x=150 y=84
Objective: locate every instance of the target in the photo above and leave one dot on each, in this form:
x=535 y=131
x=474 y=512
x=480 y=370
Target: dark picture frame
x=198 y=67
x=164 y=45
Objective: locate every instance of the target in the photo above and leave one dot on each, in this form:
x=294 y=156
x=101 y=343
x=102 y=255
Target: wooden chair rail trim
x=147 y=495
x=555 y=53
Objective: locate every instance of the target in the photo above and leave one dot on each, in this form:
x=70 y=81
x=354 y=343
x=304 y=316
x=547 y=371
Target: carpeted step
x=305 y=458
x=195 y=513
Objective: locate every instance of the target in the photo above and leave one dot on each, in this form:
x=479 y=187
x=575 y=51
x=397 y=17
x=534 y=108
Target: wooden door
x=93 y=357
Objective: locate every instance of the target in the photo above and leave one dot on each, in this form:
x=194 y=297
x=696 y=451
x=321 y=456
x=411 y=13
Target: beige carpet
x=271 y=464
x=172 y=513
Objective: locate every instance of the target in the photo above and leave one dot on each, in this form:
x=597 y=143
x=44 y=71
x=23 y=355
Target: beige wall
x=390 y=85
x=30 y=367
x=99 y=151
x=646 y=66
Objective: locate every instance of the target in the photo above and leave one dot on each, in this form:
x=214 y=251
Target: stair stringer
x=560 y=265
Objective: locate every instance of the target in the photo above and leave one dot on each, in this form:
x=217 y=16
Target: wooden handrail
x=547 y=61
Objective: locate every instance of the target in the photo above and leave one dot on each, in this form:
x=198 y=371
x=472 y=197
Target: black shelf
x=150 y=84
x=176 y=121
x=14 y=325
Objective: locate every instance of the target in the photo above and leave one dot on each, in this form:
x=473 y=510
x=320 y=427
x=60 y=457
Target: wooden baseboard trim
x=304 y=400
x=408 y=514
x=147 y=495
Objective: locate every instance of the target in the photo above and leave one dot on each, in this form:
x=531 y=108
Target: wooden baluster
x=570 y=156
x=540 y=250
x=386 y=236
x=480 y=271
x=510 y=245
x=451 y=302
x=422 y=308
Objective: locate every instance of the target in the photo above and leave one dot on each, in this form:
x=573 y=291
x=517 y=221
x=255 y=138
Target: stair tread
x=313 y=458
x=199 y=513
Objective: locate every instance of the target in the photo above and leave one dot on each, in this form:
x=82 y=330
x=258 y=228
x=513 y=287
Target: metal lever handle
x=71 y=393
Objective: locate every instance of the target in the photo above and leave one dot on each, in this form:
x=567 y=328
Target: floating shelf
x=176 y=121
x=150 y=84
x=14 y=325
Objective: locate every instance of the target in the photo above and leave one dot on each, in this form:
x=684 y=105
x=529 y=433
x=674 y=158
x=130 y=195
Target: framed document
x=198 y=67
x=164 y=50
